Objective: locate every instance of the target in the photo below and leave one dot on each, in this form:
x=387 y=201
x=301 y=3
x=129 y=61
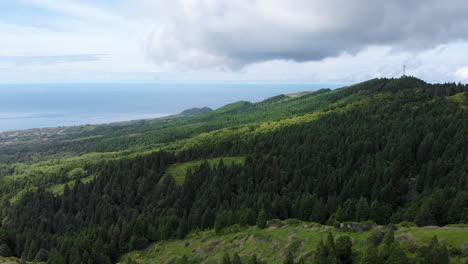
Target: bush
x=276 y=222
x=407 y=224
x=366 y=225
x=42 y=255
x=293 y=222
x=336 y=224
x=391 y=227
x=376 y=237
x=454 y=251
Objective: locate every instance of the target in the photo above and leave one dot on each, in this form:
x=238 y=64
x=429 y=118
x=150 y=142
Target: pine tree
x=132 y=244
x=370 y=256
x=226 y=259
x=425 y=216
x=387 y=246
x=236 y=259
x=442 y=256
x=343 y=249
x=56 y=258
x=398 y=256
x=330 y=245
x=221 y=221
x=42 y=255
x=321 y=254
x=289 y=259
x=254 y=260
x=262 y=219
x=362 y=210
x=464 y=216
x=5 y=250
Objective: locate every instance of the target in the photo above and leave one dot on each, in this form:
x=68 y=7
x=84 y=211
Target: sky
x=333 y=41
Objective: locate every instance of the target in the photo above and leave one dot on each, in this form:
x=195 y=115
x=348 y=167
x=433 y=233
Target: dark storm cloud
x=202 y=33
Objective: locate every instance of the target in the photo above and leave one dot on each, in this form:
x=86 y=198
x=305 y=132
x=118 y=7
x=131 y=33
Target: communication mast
x=404 y=71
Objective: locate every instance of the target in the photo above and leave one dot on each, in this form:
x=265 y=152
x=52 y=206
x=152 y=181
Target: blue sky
x=219 y=40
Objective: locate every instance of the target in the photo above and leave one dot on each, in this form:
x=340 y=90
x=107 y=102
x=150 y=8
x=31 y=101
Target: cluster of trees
x=400 y=156
x=380 y=247
x=334 y=252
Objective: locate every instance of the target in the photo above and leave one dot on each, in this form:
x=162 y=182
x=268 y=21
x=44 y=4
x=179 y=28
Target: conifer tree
x=343 y=249
x=398 y=256
x=370 y=256
x=289 y=259
x=236 y=259
x=5 y=250
x=330 y=245
x=226 y=259
x=262 y=219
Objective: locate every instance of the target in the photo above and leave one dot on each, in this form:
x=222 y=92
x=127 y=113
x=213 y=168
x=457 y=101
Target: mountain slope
x=386 y=150
x=273 y=244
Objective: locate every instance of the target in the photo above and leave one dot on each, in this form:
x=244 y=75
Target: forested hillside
x=383 y=151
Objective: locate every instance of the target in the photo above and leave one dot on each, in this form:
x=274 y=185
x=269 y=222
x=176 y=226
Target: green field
x=275 y=242
x=179 y=170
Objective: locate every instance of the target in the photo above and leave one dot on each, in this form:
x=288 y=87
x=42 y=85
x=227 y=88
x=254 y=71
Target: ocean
x=24 y=106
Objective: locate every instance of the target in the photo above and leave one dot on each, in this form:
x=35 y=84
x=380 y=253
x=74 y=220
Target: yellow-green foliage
x=179 y=170
x=57 y=165
x=245 y=132
x=242 y=133
x=347 y=100
x=273 y=243
x=58 y=189
x=35 y=175
x=460 y=98
x=297 y=95
x=12 y=260
x=21 y=193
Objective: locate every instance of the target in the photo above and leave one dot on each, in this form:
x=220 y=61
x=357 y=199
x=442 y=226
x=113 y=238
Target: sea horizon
x=44 y=105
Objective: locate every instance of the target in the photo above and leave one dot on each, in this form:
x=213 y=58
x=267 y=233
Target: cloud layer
x=208 y=33
x=232 y=40
x=49 y=59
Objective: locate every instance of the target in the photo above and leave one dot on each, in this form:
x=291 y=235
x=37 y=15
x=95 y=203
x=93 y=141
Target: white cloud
x=242 y=40
x=462 y=74
x=238 y=33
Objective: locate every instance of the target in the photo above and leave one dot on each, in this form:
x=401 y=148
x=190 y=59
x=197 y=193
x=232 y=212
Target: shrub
x=42 y=255
x=293 y=222
x=376 y=237
x=276 y=222
x=407 y=224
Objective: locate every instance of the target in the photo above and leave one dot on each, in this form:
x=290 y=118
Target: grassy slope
x=239 y=120
x=461 y=99
x=272 y=244
x=178 y=171
x=26 y=175
x=11 y=260
x=59 y=188
x=194 y=131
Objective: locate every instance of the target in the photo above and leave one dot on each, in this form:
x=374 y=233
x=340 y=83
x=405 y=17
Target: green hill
x=388 y=151
x=273 y=244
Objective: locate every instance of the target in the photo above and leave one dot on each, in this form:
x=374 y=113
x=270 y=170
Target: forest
x=382 y=153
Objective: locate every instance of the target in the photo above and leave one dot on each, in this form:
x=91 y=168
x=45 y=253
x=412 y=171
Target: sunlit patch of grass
x=179 y=170
x=273 y=243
